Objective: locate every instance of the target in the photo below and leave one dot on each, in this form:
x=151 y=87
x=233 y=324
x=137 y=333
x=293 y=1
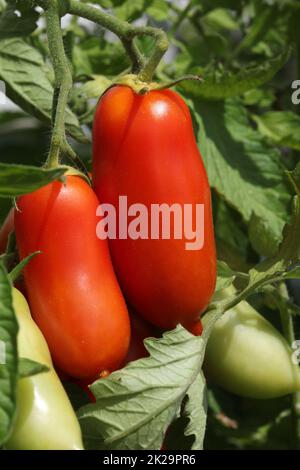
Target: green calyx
x=70 y=171
x=141 y=88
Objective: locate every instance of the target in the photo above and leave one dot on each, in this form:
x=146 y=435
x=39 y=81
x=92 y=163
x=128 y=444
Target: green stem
x=289 y=334
x=161 y=46
x=63 y=80
x=134 y=54
x=75 y=159
x=126 y=32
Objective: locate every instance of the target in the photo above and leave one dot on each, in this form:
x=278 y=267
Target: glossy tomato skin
x=144 y=148
x=72 y=290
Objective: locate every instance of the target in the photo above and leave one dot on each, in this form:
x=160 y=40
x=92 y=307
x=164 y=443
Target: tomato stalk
x=127 y=34
x=63 y=81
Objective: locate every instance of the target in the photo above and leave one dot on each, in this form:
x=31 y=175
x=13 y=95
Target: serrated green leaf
x=187 y=431
x=219 y=85
x=16 y=180
x=8 y=356
x=278 y=267
x=281 y=127
x=30 y=87
x=231 y=236
x=28 y=367
x=195 y=410
x=136 y=404
x=241 y=166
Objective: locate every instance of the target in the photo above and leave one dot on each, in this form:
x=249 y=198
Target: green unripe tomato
x=247 y=356
x=45 y=417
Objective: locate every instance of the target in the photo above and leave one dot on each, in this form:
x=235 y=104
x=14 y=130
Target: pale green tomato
x=45 y=417
x=247 y=356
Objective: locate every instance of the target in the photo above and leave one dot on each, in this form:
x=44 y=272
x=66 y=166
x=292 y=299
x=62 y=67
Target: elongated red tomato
x=144 y=148
x=72 y=289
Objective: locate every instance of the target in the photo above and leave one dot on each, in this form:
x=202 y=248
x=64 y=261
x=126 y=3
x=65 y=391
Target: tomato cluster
x=79 y=286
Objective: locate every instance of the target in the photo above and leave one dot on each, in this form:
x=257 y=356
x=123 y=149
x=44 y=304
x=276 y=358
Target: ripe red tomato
x=144 y=148
x=72 y=289
x=6 y=229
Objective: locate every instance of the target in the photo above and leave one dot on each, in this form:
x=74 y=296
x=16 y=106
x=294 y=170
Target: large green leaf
x=243 y=169
x=221 y=84
x=136 y=404
x=23 y=70
x=8 y=356
x=281 y=127
x=195 y=410
x=188 y=430
x=18 y=179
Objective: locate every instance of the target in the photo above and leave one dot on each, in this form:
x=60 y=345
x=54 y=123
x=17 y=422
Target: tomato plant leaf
x=20 y=179
x=242 y=168
x=30 y=88
x=188 y=430
x=281 y=265
x=265 y=17
x=136 y=404
x=8 y=357
x=280 y=127
x=195 y=409
x=222 y=84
